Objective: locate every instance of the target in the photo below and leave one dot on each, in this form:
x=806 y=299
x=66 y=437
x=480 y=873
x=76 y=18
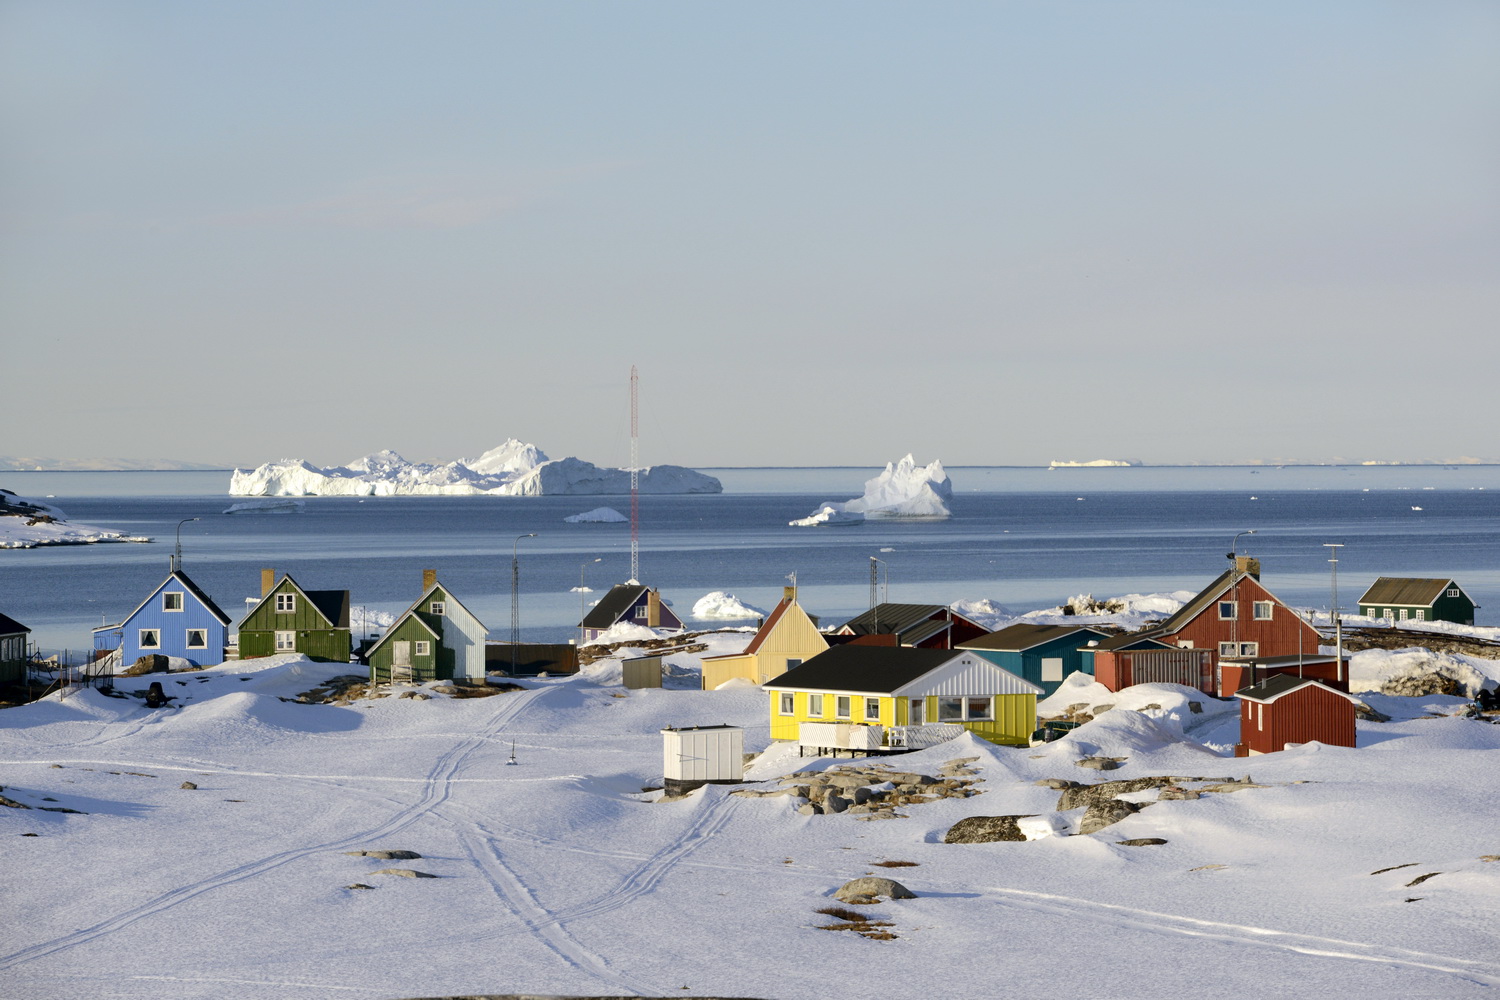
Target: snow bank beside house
x=599 y=515
x=512 y=469
x=27 y=524
x=903 y=490
x=720 y=605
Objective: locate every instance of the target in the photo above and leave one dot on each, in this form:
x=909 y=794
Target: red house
x=1236 y=674
x=1286 y=709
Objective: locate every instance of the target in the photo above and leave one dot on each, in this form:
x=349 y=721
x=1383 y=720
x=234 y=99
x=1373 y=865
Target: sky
x=829 y=233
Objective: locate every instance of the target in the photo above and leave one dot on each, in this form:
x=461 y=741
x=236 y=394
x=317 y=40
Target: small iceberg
x=599 y=515
x=267 y=507
x=720 y=605
x=828 y=515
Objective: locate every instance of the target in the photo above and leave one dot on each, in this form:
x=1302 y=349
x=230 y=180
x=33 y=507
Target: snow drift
x=512 y=469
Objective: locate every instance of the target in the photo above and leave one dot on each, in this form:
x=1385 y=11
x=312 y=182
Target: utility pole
x=515 y=598
x=635 y=482
x=1338 y=623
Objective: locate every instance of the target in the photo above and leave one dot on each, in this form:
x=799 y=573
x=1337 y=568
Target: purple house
x=628 y=602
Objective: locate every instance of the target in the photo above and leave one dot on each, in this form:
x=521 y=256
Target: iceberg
x=512 y=469
x=904 y=489
x=599 y=515
x=830 y=515
x=720 y=605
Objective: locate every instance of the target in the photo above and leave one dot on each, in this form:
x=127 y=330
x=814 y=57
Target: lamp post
x=1338 y=623
x=875 y=565
x=583 y=593
x=515 y=598
x=177 y=556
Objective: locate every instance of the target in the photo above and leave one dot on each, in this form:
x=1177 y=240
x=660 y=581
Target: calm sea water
x=1027 y=538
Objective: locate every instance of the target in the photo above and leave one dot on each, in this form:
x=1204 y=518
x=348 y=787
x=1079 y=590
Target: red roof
x=765 y=629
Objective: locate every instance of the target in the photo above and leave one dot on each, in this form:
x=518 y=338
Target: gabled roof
x=1192 y=609
x=1019 y=638
x=433 y=623
x=9 y=626
x=1129 y=640
x=1281 y=685
x=187 y=585
x=333 y=605
x=770 y=624
x=890 y=617
x=1407 y=590
x=620 y=599
x=863 y=668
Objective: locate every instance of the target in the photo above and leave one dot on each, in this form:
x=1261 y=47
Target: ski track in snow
x=439 y=786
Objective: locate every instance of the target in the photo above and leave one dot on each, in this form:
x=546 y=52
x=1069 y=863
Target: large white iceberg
x=720 y=605
x=904 y=489
x=512 y=469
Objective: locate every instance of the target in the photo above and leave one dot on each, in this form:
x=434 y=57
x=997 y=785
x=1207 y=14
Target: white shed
x=700 y=755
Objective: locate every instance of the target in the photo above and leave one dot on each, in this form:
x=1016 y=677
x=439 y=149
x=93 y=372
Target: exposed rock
x=984 y=830
x=359 y=885
x=1231 y=786
x=1195 y=707
x=1099 y=763
x=405 y=873
x=1101 y=709
x=1419 y=685
x=1107 y=813
x=1368 y=714
x=12 y=803
x=386 y=855
x=1142 y=842
x=873 y=886
x=151 y=663
x=1057 y=784
x=188 y=785
x=835 y=804
x=1174 y=792
x=1083 y=795
x=810 y=809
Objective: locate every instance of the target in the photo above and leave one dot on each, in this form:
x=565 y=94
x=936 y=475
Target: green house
x=12 y=650
x=289 y=619
x=1403 y=598
x=436 y=639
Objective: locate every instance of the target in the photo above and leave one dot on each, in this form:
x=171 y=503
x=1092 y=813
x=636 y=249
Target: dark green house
x=289 y=619
x=436 y=639
x=1405 y=598
x=12 y=650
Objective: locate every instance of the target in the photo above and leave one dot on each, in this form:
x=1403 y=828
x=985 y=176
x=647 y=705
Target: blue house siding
x=1028 y=664
x=171 y=629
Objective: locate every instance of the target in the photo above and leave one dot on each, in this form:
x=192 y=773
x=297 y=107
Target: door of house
x=400 y=661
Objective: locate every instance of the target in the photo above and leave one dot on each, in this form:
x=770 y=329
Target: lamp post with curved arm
x=177 y=552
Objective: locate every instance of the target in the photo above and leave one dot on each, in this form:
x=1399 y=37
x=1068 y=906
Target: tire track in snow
x=439 y=786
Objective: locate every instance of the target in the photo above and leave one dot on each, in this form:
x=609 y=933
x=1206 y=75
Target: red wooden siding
x=1117 y=669
x=1277 y=636
x=1235 y=676
x=1310 y=713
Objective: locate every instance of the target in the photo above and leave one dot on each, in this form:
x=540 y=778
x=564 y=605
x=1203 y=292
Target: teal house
x=1041 y=654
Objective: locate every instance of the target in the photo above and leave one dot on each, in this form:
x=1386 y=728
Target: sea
x=1025 y=538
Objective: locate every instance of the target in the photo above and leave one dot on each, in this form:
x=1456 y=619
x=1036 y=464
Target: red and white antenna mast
x=635 y=482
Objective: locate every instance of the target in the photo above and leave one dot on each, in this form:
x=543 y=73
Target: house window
x=1249 y=649
x=1228 y=610
x=788 y=703
x=422 y=647
x=950 y=710
x=642 y=613
x=286 y=641
x=1260 y=716
x=150 y=638
x=197 y=638
x=1452 y=591
x=872 y=709
x=1229 y=649
x=439 y=608
x=171 y=601
x=286 y=603
x=1262 y=610
x=917 y=714
x=979 y=709
x=1052 y=668
x=1387 y=614
x=794 y=663
x=841 y=706
x=1403 y=614
x=815 y=706
x=1421 y=615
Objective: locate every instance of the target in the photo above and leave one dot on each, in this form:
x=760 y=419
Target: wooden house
x=1235 y=674
x=176 y=619
x=924 y=626
x=1405 y=598
x=628 y=602
x=1042 y=654
x=1235 y=616
x=289 y=619
x=437 y=638
x=785 y=639
x=1101 y=659
x=12 y=650
x=898 y=686
x=1286 y=709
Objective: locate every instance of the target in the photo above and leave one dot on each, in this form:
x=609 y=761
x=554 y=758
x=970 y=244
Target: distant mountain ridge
x=10 y=464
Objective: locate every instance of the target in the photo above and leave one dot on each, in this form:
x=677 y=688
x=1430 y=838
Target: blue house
x=177 y=619
x=1041 y=654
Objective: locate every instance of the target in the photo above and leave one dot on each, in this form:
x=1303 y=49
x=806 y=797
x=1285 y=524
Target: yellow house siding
x=716 y=671
x=795 y=637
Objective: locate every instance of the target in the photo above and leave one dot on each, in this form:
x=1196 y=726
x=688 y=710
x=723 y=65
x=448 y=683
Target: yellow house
x=898 y=686
x=787 y=637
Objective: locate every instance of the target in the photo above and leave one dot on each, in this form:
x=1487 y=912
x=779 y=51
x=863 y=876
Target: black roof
x=863 y=668
x=331 y=604
x=196 y=591
x=887 y=617
x=1192 y=609
x=9 y=626
x=1025 y=636
x=1279 y=684
x=613 y=605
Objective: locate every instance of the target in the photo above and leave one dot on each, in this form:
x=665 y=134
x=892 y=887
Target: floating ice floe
x=599 y=515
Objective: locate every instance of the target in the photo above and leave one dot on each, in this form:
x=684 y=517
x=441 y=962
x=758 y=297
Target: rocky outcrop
x=386 y=855
x=871 y=888
x=985 y=830
x=1107 y=813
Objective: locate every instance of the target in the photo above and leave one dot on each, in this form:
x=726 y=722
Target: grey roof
x=1128 y=640
x=1405 y=590
x=877 y=669
x=1016 y=638
x=885 y=618
x=1275 y=686
x=9 y=626
x=620 y=599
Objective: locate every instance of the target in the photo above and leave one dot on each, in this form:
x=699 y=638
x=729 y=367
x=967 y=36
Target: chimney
x=267 y=581
x=653 y=609
x=789 y=593
x=1248 y=565
x=429 y=577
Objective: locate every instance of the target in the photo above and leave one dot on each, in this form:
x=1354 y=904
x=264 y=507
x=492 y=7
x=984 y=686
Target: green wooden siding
x=316 y=639
x=436 y=665
x=304 y=616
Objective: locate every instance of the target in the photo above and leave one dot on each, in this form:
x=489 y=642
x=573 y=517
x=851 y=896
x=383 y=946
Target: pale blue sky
x=828 y=233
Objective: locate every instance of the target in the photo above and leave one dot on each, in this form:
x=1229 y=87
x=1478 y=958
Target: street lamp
x=875 y=565
x=583 y=593
x=1338 y=623
x=177 y=557
x=1234 y=546
x=515 y=598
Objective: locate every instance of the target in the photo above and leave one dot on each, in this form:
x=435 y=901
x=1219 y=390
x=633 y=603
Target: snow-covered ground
x=559 y=876
x=511 y=469
x=53 y=528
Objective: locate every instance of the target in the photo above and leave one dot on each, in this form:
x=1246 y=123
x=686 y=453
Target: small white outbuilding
x=701 y=755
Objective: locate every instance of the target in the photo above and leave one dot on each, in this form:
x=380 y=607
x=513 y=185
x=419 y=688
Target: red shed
x=1287 y=709
x=1240 y=673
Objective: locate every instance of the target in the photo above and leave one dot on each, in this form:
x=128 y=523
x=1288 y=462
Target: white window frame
x=946 y=716
x=188 y=638
x=989 y=709
x=1452 y=591
x=1403 y=614
x=286 y=604
x=1234 y=610
x=1229 y=649
x=1250 y=649
x=786 y=703
x=872 y=703
x=815 y=706
x=1270 y=608
x=286 y=642
x=1184 y=644
x=166 y=604
x=439 y=608
x=1260 y=716
x=842 y=706
x=917 y=708
x=421 y=647
x=155 y=642
x=642 y=612
x=1421 y=614
x=1388 y=614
